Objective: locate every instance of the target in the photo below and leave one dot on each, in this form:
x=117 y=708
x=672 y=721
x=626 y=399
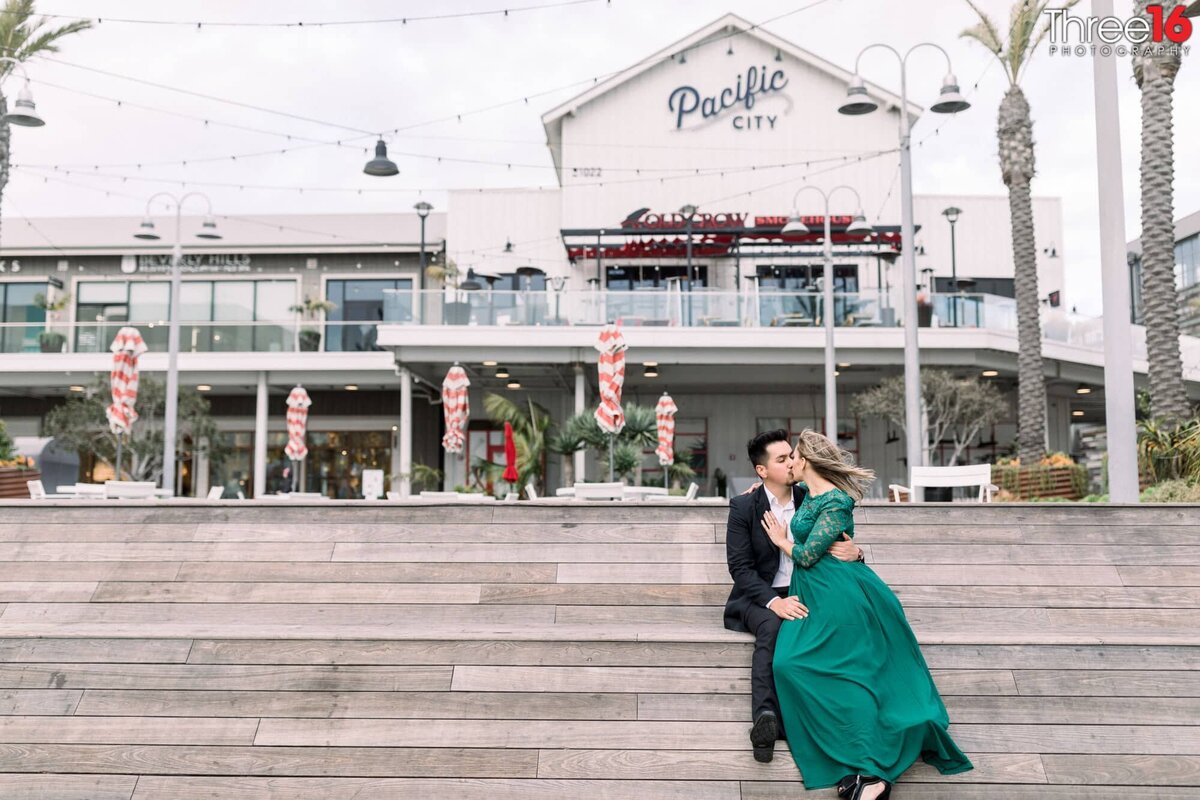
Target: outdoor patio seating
x=939 y=477
x=129 y=490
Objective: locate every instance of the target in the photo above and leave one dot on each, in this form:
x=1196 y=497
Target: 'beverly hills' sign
x=691 y=108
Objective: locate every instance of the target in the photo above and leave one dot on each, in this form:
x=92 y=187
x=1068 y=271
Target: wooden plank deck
x=546 y=651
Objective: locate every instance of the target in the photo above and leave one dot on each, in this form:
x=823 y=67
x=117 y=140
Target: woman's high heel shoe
x=854 y=786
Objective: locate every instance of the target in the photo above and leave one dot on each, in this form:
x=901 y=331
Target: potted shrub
x=445 y=272
x=15 y=470
x=51 y=341
x=309 y=339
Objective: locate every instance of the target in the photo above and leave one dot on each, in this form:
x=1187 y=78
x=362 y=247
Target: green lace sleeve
x=833 y=519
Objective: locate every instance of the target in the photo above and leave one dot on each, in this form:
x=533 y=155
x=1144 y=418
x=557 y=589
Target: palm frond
x=988 y=35
x=46 y=41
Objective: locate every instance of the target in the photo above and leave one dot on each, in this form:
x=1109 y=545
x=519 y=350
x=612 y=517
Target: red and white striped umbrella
x=456 y=408
x=665 y=412
x=126 y=348
x=611 y=345
x=298 y=402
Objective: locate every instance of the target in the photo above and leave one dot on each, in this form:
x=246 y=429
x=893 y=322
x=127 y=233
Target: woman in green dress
x=858 y=702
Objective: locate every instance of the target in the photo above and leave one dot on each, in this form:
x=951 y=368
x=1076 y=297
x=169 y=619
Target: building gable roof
x=728 y=25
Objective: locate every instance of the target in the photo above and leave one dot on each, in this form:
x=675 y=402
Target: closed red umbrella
x=296 y=449
x=611 y=363
x=665 y=414
x=127 y=346
x=510 y=454
x=456 y=408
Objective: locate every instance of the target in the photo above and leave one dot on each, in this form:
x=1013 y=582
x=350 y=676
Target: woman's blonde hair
x=833 y=463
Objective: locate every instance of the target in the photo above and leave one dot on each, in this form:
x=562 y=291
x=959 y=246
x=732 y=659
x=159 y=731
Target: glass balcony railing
x=704 y=308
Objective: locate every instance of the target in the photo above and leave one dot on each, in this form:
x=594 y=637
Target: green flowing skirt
x=854 y=690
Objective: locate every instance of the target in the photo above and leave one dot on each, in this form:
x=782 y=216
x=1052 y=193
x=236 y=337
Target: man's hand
x=789 y=608
x=844 y=550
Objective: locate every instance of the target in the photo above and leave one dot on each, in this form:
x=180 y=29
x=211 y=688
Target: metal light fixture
x=146 y=231
x=502 y=372
x=351 y=387
x=650 y=372
x=508 y=245
x=859 y=226
x=422 y=208
x=950 y=100
x=24 y=112
x=951 y=214
x=795 y=225
x=471 y=283
x=203 y=387
x=1077 y=413
x=989 y=373
x=208 y=229
x=857 y=102
x=489 y=363
x=1083 y=388
x=381 y=165
x=514 y=384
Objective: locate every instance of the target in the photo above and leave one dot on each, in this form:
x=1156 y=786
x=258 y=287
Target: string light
x=201 y=24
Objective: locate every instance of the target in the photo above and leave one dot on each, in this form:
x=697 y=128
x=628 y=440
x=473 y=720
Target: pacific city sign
x=749 y=87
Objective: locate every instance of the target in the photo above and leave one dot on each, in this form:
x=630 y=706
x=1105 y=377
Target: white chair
x=95 y=491
x=215 y=492
x=531 y=491
x=693 y=489
x=940 y=477
x=241 y=495
x=129 y=490
x=37 y=491
x=599 y=491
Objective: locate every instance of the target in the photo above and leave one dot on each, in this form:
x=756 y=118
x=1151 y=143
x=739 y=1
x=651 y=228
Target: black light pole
x=689 y=211
x=951 y=214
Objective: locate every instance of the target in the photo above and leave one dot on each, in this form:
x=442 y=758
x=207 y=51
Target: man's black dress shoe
x=763 y=735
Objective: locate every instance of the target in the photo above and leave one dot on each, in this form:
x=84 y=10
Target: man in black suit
x=761 y=575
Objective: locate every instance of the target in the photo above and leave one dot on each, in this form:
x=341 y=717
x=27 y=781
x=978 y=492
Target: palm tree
x=1017 y=167
x=22 y=37
x=1155 y=74
x=530 y=423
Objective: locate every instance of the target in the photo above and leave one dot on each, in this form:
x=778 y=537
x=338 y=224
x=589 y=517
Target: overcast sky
x=384 y=76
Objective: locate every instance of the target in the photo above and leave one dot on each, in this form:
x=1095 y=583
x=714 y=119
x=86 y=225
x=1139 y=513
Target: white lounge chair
x=531 y=491
x=940 y=477
x=599 y=491
x=37 y=491
x=215 y=492
x=128 y=490
x=693 y=490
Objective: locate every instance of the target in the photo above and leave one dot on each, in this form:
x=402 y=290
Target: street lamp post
x=422 y=208
x=208 y=230
x=950 y=102
x=952 y=214
x=689 y=212
x=858 y=225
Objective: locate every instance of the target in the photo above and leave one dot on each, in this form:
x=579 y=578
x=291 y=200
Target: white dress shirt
x=783 y=513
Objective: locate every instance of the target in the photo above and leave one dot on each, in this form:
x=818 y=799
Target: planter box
x=12 y=482
x=1069 y=482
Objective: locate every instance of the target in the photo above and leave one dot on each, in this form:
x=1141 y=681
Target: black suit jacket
x=753 y=560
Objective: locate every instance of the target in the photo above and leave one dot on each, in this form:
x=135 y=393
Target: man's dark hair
x=756 y=448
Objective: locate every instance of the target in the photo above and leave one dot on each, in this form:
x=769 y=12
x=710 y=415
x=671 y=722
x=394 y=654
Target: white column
x=404 y=484
x=580 y=456
x=1114 y=277
x=260 y=438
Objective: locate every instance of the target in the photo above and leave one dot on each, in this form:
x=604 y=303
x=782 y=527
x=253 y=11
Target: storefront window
x=24 y=321
x=105 y=307
x=333 y=467
x=359 y=307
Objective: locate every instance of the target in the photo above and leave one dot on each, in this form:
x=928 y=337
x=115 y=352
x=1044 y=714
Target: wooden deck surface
x=354 y=650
